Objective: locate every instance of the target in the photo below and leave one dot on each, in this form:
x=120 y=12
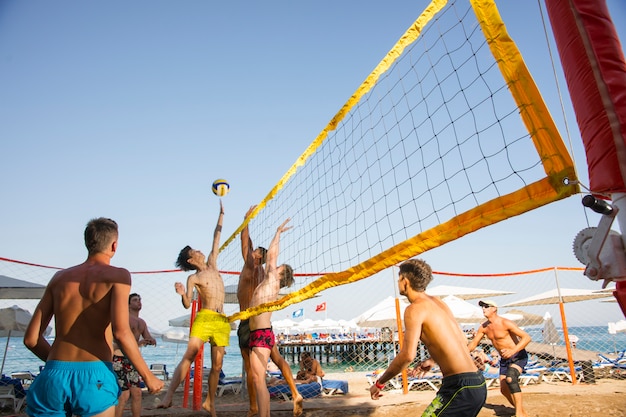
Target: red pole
x=197 y=378
x=194 y=308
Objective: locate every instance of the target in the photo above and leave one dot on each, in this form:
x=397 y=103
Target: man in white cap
x=510 y=341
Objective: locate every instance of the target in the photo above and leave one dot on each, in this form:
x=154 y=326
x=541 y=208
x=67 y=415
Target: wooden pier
x=341 y=351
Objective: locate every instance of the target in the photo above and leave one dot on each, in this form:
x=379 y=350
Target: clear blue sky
x=131 y=109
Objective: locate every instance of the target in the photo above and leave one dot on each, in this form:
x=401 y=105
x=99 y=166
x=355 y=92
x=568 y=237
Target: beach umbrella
x=464 y=293
x=348 y=325
x=175 y=335
x=283 y=326
x=550 y=334
x=568 y=295
x=382 y=314
x=523 y=318
x=617 y=327
x=13 y=321
x=463 y=311
x=12 y=288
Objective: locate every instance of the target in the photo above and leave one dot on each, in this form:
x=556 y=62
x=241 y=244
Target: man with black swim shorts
x=510 y=341
x=463 y=391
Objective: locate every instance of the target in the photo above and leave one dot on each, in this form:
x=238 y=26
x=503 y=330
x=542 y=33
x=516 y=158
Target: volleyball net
x=447 y=135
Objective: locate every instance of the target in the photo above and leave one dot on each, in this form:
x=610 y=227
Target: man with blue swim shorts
x=510 y=341
x=210 y=323
x=463 y=391
x=89 y=303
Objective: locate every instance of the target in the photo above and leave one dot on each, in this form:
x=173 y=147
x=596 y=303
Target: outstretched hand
x=283 y=228
x=249 y=212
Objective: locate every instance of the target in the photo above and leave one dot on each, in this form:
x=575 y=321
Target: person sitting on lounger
x=310 y=369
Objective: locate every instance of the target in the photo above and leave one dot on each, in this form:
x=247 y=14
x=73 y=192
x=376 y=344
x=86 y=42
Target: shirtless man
x=127 y=376
x=463 y=390
x=210 y=324
x=262 y=340
x=250 y=277
x=510 y=341
x=89 y=303
x=310 y=369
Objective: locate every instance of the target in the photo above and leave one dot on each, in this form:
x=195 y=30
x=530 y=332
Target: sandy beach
x=607 y=397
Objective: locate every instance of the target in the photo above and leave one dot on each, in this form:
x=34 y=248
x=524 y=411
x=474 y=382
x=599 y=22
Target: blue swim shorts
x=520 y=359
x=73 y=388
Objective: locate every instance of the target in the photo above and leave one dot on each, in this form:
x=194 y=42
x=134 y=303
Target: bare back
x=441 y=334
x=84 y=298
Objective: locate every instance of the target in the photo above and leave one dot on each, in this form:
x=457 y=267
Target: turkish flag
x=321 y=307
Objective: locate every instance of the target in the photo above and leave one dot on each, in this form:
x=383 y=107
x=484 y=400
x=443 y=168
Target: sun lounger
x=311 y=390
x=432 y=382
x=562 y=373
x=334 y=386
x=233 y=383
x=492 y=379
x=7 y=393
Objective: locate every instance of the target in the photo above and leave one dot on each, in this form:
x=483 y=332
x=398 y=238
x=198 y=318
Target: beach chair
x=562 y=373
x=159 y=369
x=333 y=386
x=428 y=382
x=310 y=390
x=7 y=393
x=233 y=383
x=26 y=377
x=492 y=379
x=392 y=384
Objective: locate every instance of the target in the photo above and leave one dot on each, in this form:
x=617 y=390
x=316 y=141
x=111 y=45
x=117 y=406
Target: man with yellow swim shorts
x=210 y=323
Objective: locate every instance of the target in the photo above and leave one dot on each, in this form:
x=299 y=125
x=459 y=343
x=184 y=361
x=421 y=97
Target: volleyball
x=220 y=187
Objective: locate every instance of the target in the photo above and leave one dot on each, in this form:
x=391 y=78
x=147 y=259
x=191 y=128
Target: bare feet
x=297 y=405
x=162 y=404
x=252 y=413
x=210 y=407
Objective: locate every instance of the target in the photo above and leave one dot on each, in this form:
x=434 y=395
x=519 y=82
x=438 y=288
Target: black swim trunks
x=460 y=395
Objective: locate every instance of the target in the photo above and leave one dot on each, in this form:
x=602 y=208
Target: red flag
x=321 y=307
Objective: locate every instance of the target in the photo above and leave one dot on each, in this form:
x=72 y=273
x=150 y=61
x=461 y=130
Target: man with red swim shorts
x=261 y=334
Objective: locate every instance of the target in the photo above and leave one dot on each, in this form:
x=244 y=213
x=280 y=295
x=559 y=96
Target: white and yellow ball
x=220 y=187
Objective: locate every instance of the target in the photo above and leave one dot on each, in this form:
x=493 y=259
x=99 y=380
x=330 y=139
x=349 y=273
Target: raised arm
x=246 y=242
x=272 y=252
x=215 y=249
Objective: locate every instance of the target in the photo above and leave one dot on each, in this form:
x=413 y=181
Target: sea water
x=18 y=358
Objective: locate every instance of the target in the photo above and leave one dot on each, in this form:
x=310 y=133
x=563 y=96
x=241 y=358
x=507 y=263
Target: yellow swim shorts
x=212 y=327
